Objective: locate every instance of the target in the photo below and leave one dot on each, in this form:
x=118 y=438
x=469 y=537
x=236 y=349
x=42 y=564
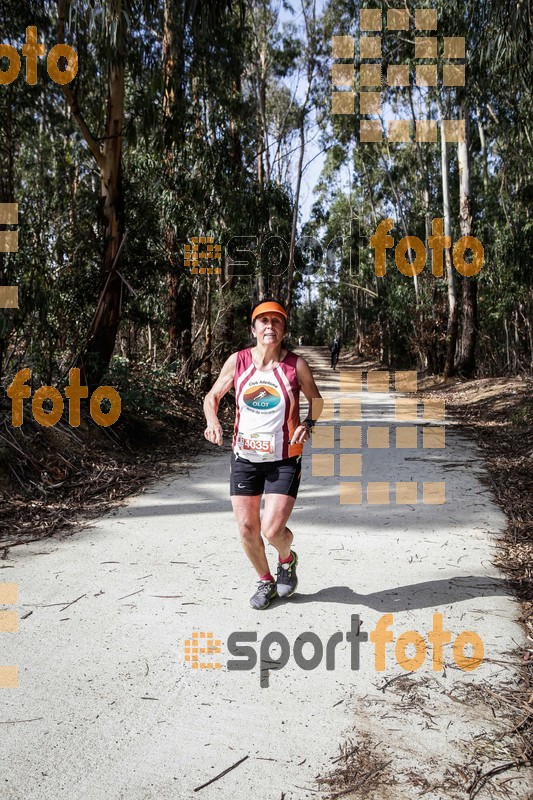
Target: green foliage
x=362 y=184
x=211 y=149
x=144 y=388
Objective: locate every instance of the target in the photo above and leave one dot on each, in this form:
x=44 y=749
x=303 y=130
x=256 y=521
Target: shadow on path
x=415 y=595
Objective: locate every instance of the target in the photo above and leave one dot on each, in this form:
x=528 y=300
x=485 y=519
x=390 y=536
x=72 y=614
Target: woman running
x=267 y=443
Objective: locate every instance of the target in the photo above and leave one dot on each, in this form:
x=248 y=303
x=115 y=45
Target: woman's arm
x=313 y=397
x=222 y=385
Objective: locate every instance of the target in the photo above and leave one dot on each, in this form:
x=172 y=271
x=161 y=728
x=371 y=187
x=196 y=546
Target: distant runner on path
x=267 y=443
x=335 y=350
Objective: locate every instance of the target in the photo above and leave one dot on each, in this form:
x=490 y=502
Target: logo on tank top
x=261 y=397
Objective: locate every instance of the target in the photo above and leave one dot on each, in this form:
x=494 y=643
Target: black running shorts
x=268 y=477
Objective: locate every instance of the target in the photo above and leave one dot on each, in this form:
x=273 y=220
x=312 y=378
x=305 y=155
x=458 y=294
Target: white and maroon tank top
x=268 y=409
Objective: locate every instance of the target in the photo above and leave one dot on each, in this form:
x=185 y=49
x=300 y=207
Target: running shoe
x=266 y=591
x=286 y=580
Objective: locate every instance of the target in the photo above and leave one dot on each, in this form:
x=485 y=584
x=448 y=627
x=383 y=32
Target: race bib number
x=256 y=446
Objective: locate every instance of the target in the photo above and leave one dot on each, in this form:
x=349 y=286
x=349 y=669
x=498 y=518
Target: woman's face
x=269 y=328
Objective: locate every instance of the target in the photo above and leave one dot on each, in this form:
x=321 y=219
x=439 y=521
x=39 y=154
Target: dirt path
x=107 y=707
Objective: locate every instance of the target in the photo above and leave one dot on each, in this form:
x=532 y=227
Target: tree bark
x=179 y=298
x=452 y=324
x=96 y=355
x=294 y=226
x=226 y=281
x=467 y=346
x=309 y=15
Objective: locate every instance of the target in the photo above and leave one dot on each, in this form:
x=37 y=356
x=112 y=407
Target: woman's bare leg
x=246 y=509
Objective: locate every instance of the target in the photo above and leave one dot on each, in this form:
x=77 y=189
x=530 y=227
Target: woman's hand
x=213 y=432
x=301 y=434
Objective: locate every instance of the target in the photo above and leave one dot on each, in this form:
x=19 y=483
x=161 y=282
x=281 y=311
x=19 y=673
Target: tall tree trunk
x=309 y=15
x=102 y=334
x=208 y=338
x=467 y=355
x=179 y=297
x=226 y=280
x=96 y=355
x=294 y=226
x=428 y=350
x=261 y=140
x=452 y=324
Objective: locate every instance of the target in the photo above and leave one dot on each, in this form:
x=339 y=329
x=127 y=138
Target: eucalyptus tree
x=312 y=48
x=111 y=40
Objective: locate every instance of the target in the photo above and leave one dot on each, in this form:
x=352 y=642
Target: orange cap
x=270 y=306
